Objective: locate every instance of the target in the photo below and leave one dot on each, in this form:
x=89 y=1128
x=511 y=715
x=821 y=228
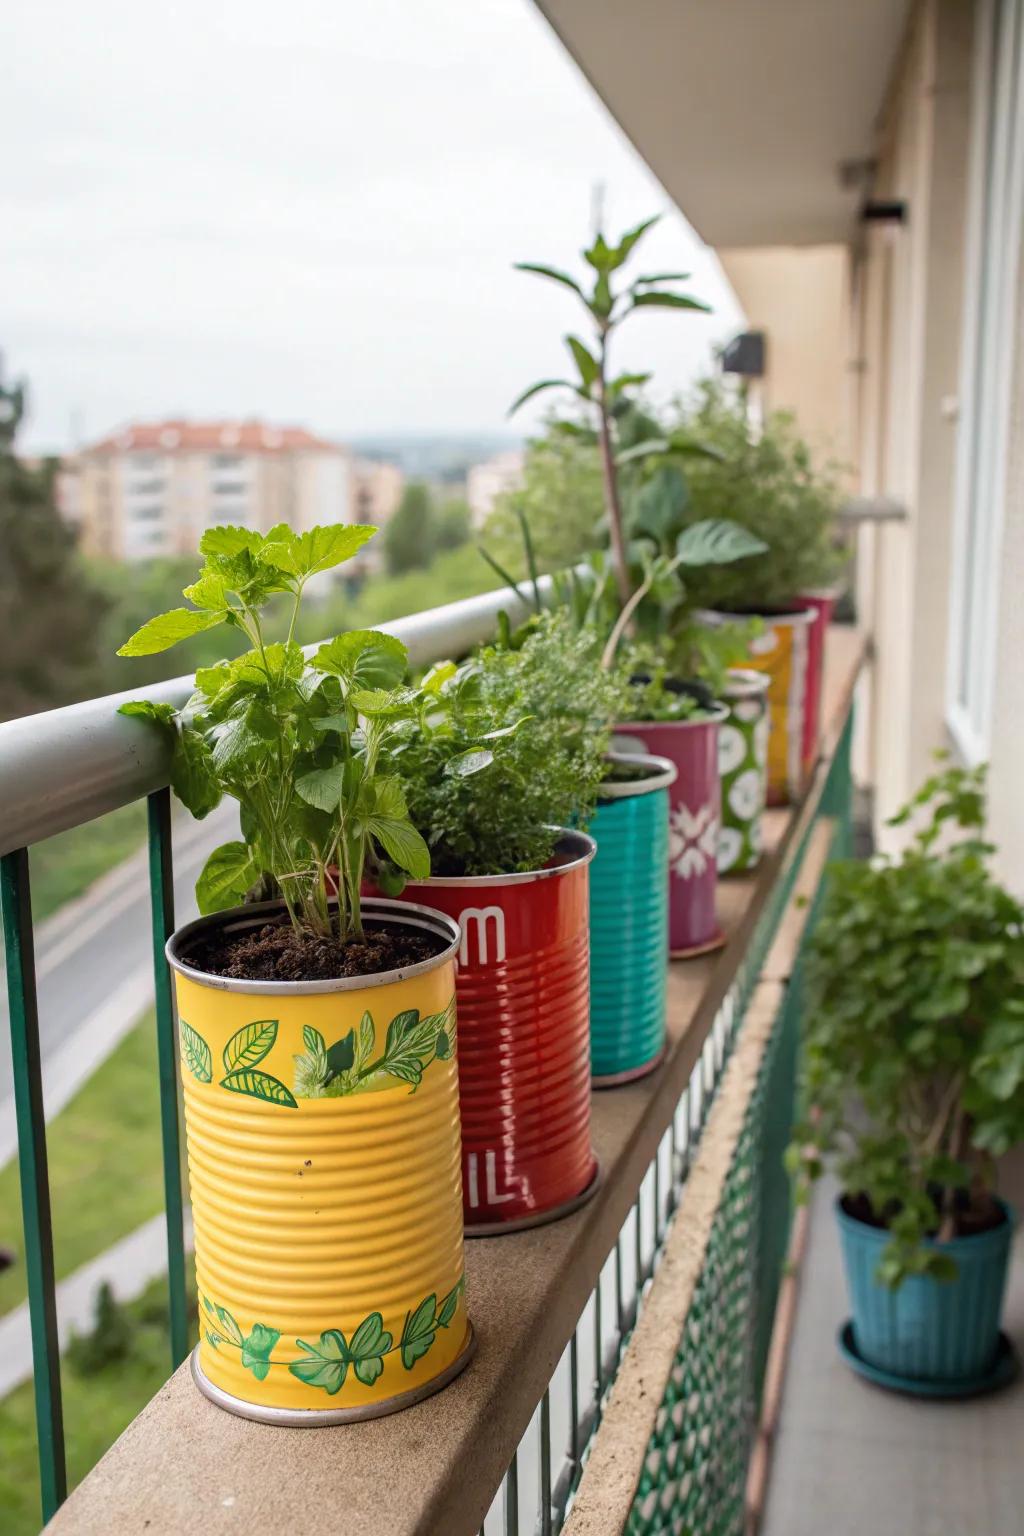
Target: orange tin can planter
x=322 y=1122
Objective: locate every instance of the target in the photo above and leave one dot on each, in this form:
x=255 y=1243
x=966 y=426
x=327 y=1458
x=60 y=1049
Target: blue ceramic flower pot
x=928 y=1330
x=629 y=922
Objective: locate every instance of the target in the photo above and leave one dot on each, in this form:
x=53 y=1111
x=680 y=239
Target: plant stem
x=611 y=479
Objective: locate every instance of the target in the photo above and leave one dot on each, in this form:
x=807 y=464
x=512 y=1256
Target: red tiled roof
x=178 y=436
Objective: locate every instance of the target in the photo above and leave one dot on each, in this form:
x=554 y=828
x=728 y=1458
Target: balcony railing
x=505 y=1447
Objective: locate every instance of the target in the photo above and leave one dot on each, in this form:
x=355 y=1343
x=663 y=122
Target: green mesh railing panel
x=693 y=1480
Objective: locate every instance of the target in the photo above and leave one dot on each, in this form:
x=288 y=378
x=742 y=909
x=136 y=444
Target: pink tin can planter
x=695 y=803
x=822 y=604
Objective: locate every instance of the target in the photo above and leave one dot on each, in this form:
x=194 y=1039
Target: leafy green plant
x=913 y=1074
x=303 y=746
x=513 y=749
x=767 y=482
x=602 y=394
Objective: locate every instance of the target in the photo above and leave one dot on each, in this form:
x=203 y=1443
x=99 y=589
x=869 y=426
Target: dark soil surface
x=628 y=773
x=971 y=1219
x=276 y=952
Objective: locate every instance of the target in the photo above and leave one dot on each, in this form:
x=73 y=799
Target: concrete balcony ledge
x=186 y=1467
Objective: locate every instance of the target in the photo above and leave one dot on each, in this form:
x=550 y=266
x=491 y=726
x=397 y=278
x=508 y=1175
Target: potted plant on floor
x=496 y=788
x=913 y=1078
x=768 y=483
x=317 y=1031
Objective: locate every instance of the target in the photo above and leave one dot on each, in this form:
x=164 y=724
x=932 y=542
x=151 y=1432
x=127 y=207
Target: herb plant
x=769 y=484
x=513 y=749
x=913 y=1072
x=303 y=746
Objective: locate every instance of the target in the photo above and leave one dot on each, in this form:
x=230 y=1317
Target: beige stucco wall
x=798 y=295
x=909 y=285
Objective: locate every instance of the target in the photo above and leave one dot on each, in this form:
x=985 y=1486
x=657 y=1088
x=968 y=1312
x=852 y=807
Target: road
x=94 y=967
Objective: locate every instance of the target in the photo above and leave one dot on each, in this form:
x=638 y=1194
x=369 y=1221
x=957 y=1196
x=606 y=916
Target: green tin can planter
x=743 y=765
x=629 y=919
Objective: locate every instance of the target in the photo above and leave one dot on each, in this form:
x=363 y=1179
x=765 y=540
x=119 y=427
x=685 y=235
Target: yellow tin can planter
x=328 y=1229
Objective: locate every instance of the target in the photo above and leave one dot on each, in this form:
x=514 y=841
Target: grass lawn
x=96 y=1410
x=64 y=866
x=105 y=1160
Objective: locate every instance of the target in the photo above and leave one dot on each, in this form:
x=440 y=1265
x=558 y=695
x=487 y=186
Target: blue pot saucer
x=1000 y=1373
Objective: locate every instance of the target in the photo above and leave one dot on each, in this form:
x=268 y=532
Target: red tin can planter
x=695 y=804
x=822 y=605
x=523 y=999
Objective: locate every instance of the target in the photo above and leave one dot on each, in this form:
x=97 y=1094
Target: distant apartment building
x=150 y=489
x=487 y=481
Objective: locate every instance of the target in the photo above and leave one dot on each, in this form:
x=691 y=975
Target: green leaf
x=248 y=732
x=443 y=1046
x=662 y=277
x=364 y=658
x=651 y=299
x=248 y=1045
x=402 y=843
x=210 y=592
x=448 y=1307
x=535 y=389
x=198 y=1057
x=257 y=1348
x=418 y=1333
x=370 y=1338
x=643 y=450
x=230 y=1328
x=303 y=555
x=228 y=540
x=716 y=541
x=259 y=1085
x=145 y=709
x=472 y=761
x=226 y=876
x=553 y=273
x=341 y=1055
x=365 y=1042
x=400 y=1027
x=324 y=788
x=167 y=629
x=313 y=1039
x=585 y=362
x=192 y=775
x=327 y=1365
x=369 y=1369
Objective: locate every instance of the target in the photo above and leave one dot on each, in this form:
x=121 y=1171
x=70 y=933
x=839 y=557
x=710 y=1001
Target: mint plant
x=304 y=746
x=913 y=1068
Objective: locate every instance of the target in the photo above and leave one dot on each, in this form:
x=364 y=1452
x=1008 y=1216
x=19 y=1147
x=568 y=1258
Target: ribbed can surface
x=743 y=765
x=821 y=605
x=328 y=1230
x=782 y=651
x=524 y=1035
x=629 y=927
x=694 y=820
x=928 y=1329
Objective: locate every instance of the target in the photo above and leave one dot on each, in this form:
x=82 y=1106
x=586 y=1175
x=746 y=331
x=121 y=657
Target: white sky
x=308 y=210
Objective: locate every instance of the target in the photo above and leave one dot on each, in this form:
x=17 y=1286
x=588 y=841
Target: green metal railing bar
x=15 y=900
x=161 y=891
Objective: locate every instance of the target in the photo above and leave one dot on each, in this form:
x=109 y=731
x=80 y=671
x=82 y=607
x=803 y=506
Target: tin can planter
x=821 y=605
x=524 y=1037
x=743 y=765
x=929 y=1337
x=781 y=651
x=694 y=822
x=629 y=921
x=328 y=1229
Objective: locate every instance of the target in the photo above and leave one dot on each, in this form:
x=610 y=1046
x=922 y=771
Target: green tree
x=452 y=524
x=48 y=613
x=410 y=537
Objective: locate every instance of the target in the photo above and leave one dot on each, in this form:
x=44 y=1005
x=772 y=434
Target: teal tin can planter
x=929 y=1334
x=629 y=920
x=743 y=766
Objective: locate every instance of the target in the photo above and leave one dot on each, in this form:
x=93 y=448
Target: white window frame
x=994 y=230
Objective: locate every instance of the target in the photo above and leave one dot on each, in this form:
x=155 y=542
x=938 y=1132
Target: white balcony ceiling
x=743 y=109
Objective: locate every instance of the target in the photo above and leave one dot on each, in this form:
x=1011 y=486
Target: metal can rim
x=579 y=845
x=713 y=716
x=745 y=683
x=663 y=773
x=407 y=913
